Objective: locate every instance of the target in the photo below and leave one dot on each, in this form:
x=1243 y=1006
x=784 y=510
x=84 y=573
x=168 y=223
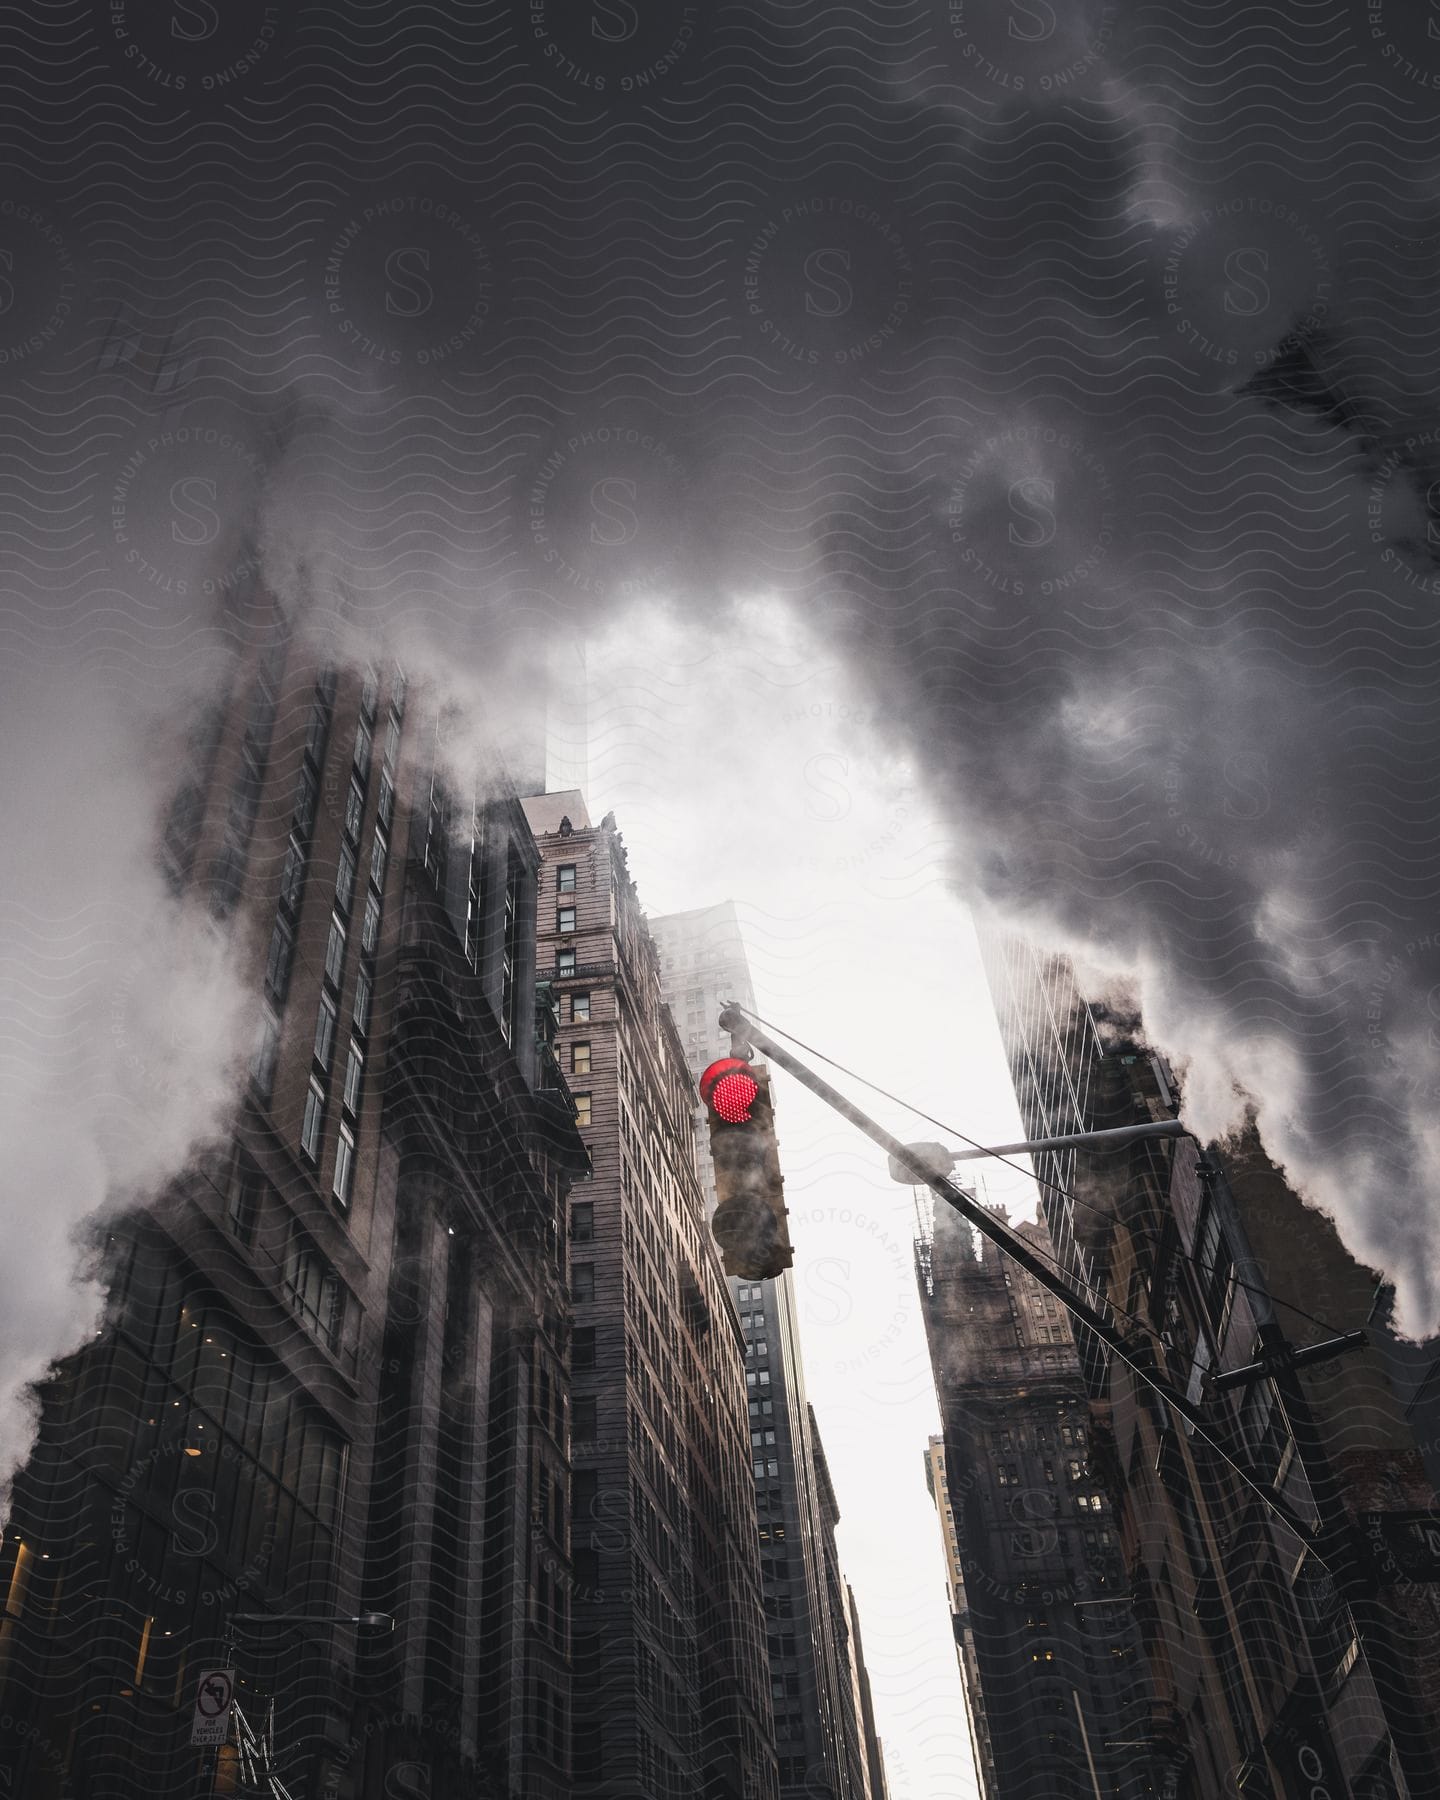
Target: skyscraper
x=671 y=1689
x=938 y=1483
x=1055 y=1684
x=1288 y=1662
x=810 y=1645
x=333 y=1377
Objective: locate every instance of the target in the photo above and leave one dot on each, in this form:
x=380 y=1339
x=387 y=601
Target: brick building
x=1271 y=1678
x=1050 y=1656
x=672 y=1691
x=332 y=1379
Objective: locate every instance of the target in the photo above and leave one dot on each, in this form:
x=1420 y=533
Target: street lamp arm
x=1077 y=1140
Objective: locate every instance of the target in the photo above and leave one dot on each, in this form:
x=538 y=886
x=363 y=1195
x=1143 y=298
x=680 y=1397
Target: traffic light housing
x=749 y=1222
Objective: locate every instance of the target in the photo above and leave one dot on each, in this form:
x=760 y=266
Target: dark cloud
x=1076 y=381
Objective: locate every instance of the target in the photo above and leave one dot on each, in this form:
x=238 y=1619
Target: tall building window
x=582 y=1347
x=345 y=879
x=370 y=694
x=354 y=810
x=564 y=962
x=579 y=1009
x=314 y=1291
x=582 y=1418
x=370 y=928
x=565 y=918
x=246 y=1187
x=509 y=950
x=354 y=1076
x=292 y=876
x=582 y=1281
x=267 y=1050
x=565 y=878
x=307 y=787
x=344 y=1168
x=335 y=952
x=313 y=1121
x=580 y=1059
x=277 y=962
x=582 y=1109
x=379 y=851
x=385 y=802
x=364 y=992
x=325 y=1031
x=582 y=1221
x=364 y=746
x=319 y=726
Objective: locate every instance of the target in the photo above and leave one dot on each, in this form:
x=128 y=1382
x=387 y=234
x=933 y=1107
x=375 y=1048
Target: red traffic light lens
x=733 y=1095
x=729 y=1089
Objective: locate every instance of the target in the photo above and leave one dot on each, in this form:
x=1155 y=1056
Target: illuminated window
x=580 y=1059
x=579 y=1009
x=582 y=1109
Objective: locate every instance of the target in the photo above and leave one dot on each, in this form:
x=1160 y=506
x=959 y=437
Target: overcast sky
x=1059 y=382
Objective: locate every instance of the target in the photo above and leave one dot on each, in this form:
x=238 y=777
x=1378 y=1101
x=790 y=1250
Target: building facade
x=809 y=1639
x=332 y=1380
x=1288 y=1661
x=981 y=1754
x=1050 y=1658
x=672 y=1692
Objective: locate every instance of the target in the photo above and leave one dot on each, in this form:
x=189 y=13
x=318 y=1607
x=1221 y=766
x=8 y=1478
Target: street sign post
x=214 y=1696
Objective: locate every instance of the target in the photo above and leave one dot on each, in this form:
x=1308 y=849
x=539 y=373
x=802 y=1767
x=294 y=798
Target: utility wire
x=1053 y=1186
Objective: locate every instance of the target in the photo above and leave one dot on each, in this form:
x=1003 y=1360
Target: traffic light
x=749 y=1223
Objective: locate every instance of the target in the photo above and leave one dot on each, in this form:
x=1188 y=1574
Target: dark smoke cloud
x=1075 y=381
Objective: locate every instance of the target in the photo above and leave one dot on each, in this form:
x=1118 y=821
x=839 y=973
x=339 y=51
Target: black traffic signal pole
x=734 y=1020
